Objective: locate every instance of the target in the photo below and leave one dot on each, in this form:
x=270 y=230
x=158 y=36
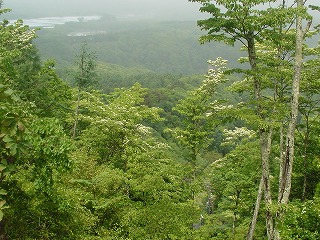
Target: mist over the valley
x=160 y=35
x=146 y=9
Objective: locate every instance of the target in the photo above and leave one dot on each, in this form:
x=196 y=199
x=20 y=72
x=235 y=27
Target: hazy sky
x=165 y=9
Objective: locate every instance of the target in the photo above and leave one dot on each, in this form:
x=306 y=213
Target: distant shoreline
x=51 y=22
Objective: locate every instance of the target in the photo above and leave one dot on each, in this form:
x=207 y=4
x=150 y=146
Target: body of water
x=50 y=22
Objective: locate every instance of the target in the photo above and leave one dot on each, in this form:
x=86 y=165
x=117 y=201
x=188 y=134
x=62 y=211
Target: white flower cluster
x=160 y=145
x=215 y=74
x=218 y=63
x=22 y=37
x=143 y=129
x=222 y=107
x=217 y=107
x=232 y=136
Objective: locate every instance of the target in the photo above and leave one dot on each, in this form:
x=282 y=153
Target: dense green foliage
x=98 y=147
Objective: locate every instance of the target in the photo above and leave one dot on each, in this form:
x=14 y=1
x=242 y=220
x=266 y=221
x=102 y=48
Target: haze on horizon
x=146 y=9
x=154 y=9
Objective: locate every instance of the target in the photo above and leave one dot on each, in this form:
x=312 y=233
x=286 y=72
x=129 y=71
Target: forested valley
x=116 y=129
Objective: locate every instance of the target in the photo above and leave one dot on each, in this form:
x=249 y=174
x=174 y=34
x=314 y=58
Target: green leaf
x=13 y=149
x=2 y=167
x=2 y=203
x=3 y=192
x=7 y=121
x=8 y=92
x=4 y=162
x=21 y=127
x=313 y=7
x=7 y=139
x=1 y=215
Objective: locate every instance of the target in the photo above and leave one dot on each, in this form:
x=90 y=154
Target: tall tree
x=233 y=21
x=199 y=112
x=251 y=24
x=288 y=157
x=15 y=40
x=86 y=63
x=308 y=123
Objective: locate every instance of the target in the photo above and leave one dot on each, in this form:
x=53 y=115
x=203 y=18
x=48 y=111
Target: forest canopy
x=94 y=147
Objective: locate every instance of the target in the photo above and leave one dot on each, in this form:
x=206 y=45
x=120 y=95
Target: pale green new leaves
x=237 y=21
x=12 y=122
x=5 y=169
x=48 y=152
x=198 y=111
x=14 y=39
x=116 y=124
x=125 y=107
x=274 y=68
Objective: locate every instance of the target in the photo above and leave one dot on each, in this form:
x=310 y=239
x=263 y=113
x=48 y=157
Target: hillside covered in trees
x=166 y=47
x=111 y=129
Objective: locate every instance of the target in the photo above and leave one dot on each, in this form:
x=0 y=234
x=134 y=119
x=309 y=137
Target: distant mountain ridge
x=170 y=47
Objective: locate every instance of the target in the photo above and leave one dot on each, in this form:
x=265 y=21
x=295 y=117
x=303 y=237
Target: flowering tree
x=199 y=112
x=249 y=23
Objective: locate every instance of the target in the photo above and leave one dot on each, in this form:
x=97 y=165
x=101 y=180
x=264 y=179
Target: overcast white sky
x=171 y=9
x=163 y=9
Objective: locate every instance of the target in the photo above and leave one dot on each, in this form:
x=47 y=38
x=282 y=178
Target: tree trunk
x=281 y=146
x=256 y=211
x=265 y=144
x=265 y=139
x=234 y=222
x=74 y=130
x=287 y=161
x=304 y=187
x=305 y=159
